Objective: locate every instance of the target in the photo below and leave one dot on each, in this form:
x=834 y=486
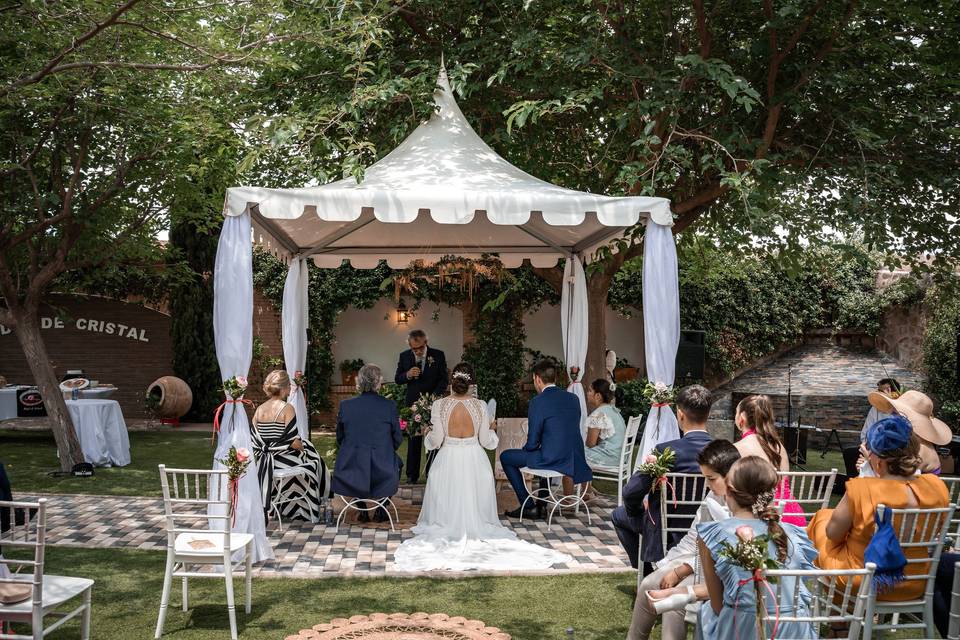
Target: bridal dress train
x=458 y=528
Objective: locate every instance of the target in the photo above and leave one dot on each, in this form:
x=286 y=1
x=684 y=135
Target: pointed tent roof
x=442 y=191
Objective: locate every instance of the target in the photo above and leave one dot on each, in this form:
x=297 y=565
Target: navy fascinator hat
x=888 y=435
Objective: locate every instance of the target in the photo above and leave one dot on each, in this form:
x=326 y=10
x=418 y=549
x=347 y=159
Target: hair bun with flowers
x=463 y=375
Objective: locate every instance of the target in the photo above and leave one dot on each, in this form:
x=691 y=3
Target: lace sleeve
x=438 y=426
x=488 y=439
x=600 y=420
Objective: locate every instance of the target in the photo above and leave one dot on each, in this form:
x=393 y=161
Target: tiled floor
x=309 y=551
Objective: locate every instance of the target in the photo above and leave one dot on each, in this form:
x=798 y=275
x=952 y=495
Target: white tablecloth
x=8 y=403
x=102 y=432
x=8 y=398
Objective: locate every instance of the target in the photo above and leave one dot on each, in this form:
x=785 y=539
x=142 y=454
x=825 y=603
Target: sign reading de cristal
x=89 y=324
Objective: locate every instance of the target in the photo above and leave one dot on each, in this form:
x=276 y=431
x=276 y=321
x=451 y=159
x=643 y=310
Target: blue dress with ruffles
x=736 y=620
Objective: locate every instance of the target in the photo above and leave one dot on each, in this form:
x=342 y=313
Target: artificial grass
x=126 y=599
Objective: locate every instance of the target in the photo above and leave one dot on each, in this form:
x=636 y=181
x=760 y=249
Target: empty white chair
x=360 y=504
x=839 y=605
x=553 y=500
x=201 y=496
x=622 y=473
x=683 y=493
x=47 y=593
x=916 y=529
x=810 y=489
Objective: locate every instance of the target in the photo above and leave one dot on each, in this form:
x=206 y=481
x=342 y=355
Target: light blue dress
x=743 y=626
x=606 y=454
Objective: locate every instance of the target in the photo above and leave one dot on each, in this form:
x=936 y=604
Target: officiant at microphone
x=424 y=370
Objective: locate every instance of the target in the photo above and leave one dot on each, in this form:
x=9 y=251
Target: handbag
x=884 y=551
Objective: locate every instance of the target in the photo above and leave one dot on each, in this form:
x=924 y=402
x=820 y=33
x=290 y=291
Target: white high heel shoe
x=674 y=602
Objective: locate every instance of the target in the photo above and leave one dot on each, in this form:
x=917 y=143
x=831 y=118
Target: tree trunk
x=27 y=328
x=598 y=285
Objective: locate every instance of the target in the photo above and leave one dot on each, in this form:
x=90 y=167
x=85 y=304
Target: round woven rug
x=402 y=626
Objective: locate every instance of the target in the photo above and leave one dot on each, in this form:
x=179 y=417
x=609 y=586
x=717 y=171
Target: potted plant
x=349 y=369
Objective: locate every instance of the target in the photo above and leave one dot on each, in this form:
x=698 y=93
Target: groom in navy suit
x=553 y=437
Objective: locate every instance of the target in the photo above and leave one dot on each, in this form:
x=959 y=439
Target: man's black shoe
x=363 y=517
x=380 y=515
x=530 y=513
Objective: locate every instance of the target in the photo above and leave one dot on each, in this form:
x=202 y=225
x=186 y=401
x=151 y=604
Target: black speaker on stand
x=691 y=356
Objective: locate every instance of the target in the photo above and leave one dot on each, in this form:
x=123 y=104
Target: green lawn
x=29 y=456
x=126 y=598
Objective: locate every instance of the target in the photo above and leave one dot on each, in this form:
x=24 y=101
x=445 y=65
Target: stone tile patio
x=305 y=550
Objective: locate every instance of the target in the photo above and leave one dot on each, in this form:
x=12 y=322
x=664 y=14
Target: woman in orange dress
x=841 y=535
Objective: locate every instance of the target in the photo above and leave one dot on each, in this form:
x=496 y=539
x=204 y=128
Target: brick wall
x=83 y=332
x=901 y=334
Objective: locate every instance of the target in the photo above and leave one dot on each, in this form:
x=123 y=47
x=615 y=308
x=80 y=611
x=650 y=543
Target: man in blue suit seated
x=368 y=433
x=634 y=519
x=553 y=438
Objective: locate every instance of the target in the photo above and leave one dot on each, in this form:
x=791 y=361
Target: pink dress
x=792 y=511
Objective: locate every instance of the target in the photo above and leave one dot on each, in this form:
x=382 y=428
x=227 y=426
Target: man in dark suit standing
x=635 y=519
x=553 y=438
x=424 y=370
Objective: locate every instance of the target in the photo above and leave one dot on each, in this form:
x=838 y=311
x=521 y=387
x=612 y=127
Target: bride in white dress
x=459 y=528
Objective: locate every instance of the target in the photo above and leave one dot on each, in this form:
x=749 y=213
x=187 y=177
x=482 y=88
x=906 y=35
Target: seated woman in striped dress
x=277 y=445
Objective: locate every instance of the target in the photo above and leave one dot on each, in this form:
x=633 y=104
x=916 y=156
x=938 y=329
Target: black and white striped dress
x=272 y=448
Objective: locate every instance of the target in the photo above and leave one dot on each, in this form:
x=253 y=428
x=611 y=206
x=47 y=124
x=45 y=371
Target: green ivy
x=940 y=349
x=751 y=304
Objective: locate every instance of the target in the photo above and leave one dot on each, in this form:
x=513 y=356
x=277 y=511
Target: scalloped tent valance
x=442 y=191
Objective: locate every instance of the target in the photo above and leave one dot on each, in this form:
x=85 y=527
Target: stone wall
x=901 y=334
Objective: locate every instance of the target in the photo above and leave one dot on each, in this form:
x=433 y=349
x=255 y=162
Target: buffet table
x=101 y=431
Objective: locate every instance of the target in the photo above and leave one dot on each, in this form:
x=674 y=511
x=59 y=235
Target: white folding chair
x=953 y=487
x=553 y=500
x=684 y=493
x=47 y=593
x=810 y=489
x=622 y=473
x=360 y=504
x=287 y=491
x=953 y=628
x=833 y=601
x=921 y=533
x=201 y=496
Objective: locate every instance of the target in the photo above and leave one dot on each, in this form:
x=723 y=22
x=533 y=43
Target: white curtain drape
x=574 y=323
x=295 y=337
x=233 y=336
x=661 y=328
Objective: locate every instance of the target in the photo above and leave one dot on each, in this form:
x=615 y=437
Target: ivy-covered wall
x=751 y=304
x=941 y=349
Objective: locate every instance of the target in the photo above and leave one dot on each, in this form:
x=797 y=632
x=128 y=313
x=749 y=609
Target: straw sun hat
x=918 y=409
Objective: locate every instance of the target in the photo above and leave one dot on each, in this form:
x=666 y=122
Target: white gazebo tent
x=443 y=191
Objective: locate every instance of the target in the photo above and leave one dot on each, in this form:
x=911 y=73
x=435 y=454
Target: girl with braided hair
x=750 y=489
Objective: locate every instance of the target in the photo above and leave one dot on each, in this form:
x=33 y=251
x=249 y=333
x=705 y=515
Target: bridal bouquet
x=751 y=552
x=420 y=415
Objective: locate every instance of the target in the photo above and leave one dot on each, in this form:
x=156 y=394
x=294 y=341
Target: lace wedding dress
x=458 y=528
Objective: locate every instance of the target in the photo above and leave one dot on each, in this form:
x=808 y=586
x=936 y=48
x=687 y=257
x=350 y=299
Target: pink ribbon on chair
x=659 y=482
x=758 y=579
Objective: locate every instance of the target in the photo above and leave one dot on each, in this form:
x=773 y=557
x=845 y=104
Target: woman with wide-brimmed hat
x=917 y=407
